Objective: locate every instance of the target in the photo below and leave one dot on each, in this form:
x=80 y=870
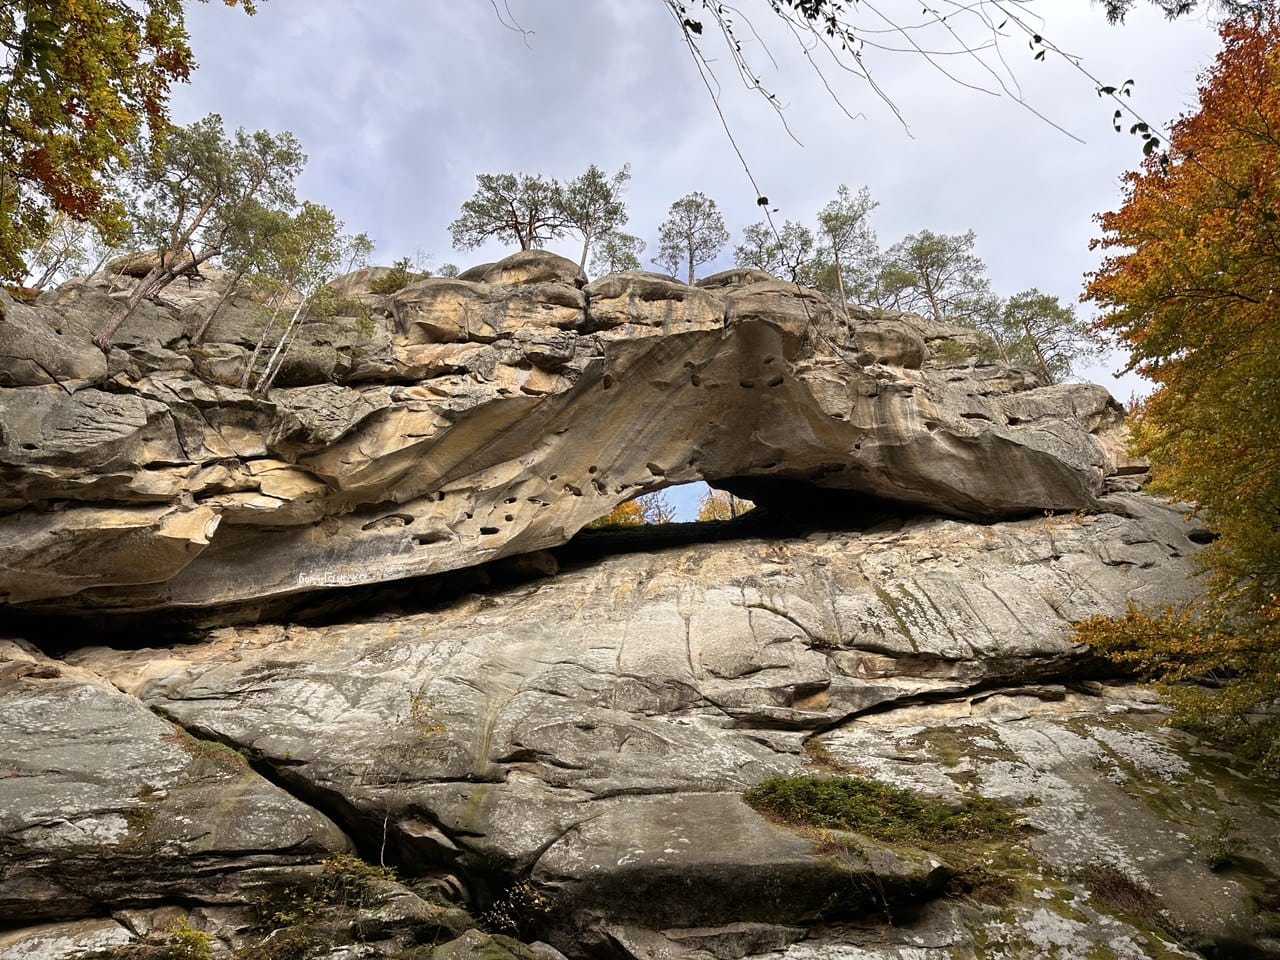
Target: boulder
x=637 y=298
x=105 y=804
x=357 y=283
x=528 y=266
x=453 y=311
x=888 y=342
x=33 y=352
x=737 y=277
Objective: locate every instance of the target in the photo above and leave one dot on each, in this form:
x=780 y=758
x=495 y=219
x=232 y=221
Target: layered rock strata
x=588 y=738
x=460 y=421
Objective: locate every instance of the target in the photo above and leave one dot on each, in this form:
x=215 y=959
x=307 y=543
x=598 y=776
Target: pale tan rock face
x=460 y=421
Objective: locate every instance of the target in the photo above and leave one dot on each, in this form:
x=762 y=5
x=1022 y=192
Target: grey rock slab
x=105 y=804
x=1112 y=792
x=62 y=941
x=483 y=732
x=707 y=859
x=34 y=351
x=1042 y=919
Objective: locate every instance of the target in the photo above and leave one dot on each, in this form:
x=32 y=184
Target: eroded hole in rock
x=390 y=522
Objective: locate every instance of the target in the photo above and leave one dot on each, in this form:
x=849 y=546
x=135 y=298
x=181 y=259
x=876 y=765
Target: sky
x=400 y=103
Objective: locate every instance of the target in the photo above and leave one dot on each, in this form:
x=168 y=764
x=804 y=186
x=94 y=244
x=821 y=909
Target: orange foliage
x=82 y=80
x=1192 y=289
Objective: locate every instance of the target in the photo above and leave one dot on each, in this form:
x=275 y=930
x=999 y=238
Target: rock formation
x=467 y=420
x=551 y=757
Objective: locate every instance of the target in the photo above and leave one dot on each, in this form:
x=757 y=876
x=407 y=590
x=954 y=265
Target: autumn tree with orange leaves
x=1191 y=287
x=80 y=82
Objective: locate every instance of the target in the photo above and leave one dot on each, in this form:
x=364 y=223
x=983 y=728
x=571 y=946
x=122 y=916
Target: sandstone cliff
x=556 y=749
x=467 y=420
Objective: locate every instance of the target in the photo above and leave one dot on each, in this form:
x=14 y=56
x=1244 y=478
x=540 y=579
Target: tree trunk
x=844 y=297
x=262 y=341
x=149 y=281
x=49 y=273
x=1035 y=346
x=269 y=375
x=144 y=287
x=586 y=244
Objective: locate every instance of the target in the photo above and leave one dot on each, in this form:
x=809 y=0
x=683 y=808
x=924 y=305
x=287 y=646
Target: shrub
x=1220 y=670
x=878 y=810
x=398 y=277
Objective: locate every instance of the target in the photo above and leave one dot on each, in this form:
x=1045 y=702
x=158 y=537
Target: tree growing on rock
x=191 y=200
x=81 y=82
x=937 y=276
x=307 y=254
x=848 y=243
x=1190 y=288
x=403 y=271
x=616 y=251
x=592 y=205
x=790 y=254
x=1038 y=330
x=514 y=208
x=693 y=234
x=256 y=229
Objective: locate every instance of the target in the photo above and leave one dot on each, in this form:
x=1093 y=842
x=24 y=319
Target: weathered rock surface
x=1116 y=800
x=563 y=759
x=465 y=420
x=593 y=732
x=104 y=804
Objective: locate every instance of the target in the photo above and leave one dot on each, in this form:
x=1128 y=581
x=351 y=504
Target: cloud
x=400 y=104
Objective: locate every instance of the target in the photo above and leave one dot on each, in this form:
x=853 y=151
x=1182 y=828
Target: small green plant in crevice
x=949 y=352
x=818 y=755
x=177 y=941
x=209 y=751
x=1223 y=847
x=517 y=912
x=879 y=810
x=293 y=920
x=188 y=943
